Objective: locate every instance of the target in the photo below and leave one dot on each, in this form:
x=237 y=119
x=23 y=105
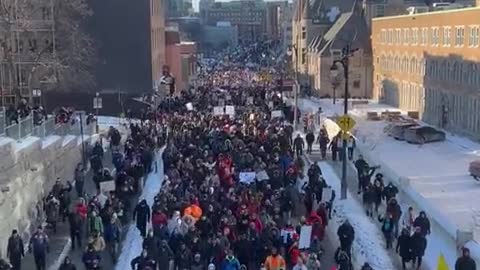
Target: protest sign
x=305 y=237
x=107 y=186
x=262 y=175
x=189 y=106
x=326 y=194
x=277 y=113
x=249 y=100
x=247 y=177
x=230 y=110
x=218 y=110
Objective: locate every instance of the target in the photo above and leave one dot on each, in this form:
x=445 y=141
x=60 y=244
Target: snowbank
x=132 y=245
x=369 y=244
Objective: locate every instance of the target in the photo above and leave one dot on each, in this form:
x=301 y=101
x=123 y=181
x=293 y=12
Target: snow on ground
x=369 y=243
x=68 y=139
x=132 y=245
x=433 y=177
x=24 y=143
x=49 y=140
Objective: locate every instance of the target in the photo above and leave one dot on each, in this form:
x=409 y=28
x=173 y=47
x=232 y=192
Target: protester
x=465 y=262
x=40 y=247
x=15 y=250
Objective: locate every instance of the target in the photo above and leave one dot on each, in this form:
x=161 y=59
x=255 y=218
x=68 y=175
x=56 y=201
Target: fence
x=26 y=127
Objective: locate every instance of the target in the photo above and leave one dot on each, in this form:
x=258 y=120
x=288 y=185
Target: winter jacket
x=159 y=218
x=423 y=223
x=310 y=138
x=98 y=243
x=15 y=247
x=419 y=244
x=39 y=243
x=143 y=263
x=81 y=210
x=404 y=247
x=230 y=264
x=91 y=259
x=394 y=209
x=112 y=232
x=465 y=263
x=69 y=266
x=275 y=263
x=346 y=233
x=387 y=226
x=95 y=223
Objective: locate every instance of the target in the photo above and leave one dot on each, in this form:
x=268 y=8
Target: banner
x=305 y=237
x=247 y=177
x=107 y=186
x=277 y=113
x=230 y=110
x=218 y=110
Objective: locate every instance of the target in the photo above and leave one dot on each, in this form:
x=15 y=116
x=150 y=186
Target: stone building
x=430 y=63
x=249 y=16
x=320 y=32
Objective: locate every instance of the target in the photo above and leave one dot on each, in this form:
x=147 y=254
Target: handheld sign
x=189 y=106
x=107 y=186
x=305 y=237
x=247 y=177
x=230 y=110
x=218 y=110
x=277 y=113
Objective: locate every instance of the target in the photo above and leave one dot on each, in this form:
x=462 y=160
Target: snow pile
x=369 y=244
x=132 y=245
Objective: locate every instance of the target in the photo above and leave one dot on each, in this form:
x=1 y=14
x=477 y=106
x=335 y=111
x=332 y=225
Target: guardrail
x=26 y=127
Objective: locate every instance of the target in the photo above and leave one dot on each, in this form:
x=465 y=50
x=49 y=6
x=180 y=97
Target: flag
x=442 y=263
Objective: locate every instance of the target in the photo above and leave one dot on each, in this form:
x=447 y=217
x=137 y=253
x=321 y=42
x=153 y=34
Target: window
x=379 y=10
x=21 y=76
x=434 y=36
x=304 y=32
x=356 y=84
x=398 y=35
x=474 y=36
x=304 y=55
x=459 y=36
x=446 y=36
x=414 y=36
x=46 y=13
x=390 y=36
x=406 y=33
x=424 y=36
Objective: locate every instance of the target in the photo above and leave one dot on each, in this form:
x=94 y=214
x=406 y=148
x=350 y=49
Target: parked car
x=397 y=131
x=423 y=134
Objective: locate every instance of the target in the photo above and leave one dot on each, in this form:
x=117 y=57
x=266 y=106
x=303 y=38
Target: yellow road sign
x=345 y=122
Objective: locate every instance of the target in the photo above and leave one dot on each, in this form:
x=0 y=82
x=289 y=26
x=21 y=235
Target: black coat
x=15 y=249
x=419 y=244
x=346 y=233
x=465 y=263
x=423 y=223
x=404 y=247
x=142 y=213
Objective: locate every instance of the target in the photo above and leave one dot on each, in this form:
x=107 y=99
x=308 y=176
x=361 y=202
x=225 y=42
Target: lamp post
x=334 y=72
x=290 y=52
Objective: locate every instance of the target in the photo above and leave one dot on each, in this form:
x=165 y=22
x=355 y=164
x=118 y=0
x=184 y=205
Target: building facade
x=132 y=44
x=181 y=58
x=430 y=63
x=249 y=16
x=28 y=37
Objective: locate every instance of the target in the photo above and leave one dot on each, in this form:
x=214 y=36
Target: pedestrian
x=76 y=228
x=300 y=265
x=323 y=142
x=423 y=223
x=230 y=262
x=369 y=199
x=408 y=219
x=342 y=259
x=94 y=223
x=394 y=210
x=366 y=266
x=351 y=144
x=141 y=215
x=79 y=178
x=52 y=210
x=298 y=145
x=378 y=190
x=310 y=138
x=387 y=229
x=143 y=262
x=334 y=147
x=15 y=250
x=404 y=247
x=465 y=262
x=275 y=261
x=419 y=244
x=112 y=237
x=40 y=247
x=362 y=166
x=91 y=258
x=97 y=241
x=67 y=264
x=346 y=235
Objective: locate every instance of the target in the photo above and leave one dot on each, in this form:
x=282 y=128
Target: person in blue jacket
x=91 y=259
x=230 y=262
x=40 y=247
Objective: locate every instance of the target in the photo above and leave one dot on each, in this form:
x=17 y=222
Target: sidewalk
x=60 y=244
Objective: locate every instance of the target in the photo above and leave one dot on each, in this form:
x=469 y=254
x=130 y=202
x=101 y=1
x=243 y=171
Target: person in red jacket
x=225 y=170
x=294 y=253
x=81 y=209
x=318 y=229
x=322 y=213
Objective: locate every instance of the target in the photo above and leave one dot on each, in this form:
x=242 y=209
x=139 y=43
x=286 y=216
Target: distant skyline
x=196 y=3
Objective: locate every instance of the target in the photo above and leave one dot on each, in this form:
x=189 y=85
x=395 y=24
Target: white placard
x=252 y=117
x=305 y=237
x=287 y=234
x=277 y=113
x=230 y=110
x=189 y=106
x=249 y=100
x=107 y=186
x=218 y=110
x=247 y=177
x=326 y=194
x=262 y=175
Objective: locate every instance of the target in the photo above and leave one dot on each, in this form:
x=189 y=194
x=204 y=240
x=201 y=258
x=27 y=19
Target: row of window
x=443 y=70
x=433 y=36
x=231 y=15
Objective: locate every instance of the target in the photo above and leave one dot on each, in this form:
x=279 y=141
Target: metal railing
x=26 y=127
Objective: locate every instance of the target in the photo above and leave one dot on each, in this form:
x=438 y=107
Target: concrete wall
x=28 y=172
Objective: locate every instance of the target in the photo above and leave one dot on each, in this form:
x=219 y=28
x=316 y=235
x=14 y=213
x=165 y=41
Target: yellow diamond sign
x=346 y=123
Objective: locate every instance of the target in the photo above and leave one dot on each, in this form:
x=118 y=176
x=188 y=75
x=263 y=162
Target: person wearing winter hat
x=465 y=262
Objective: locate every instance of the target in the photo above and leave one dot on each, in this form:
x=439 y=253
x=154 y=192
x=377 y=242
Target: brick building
x=430 y=63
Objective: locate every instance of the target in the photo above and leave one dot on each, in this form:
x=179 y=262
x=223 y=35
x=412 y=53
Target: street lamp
x=291 y=50
x=334 y=72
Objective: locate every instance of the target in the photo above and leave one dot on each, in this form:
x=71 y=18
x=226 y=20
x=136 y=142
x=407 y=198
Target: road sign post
x=346 y=124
